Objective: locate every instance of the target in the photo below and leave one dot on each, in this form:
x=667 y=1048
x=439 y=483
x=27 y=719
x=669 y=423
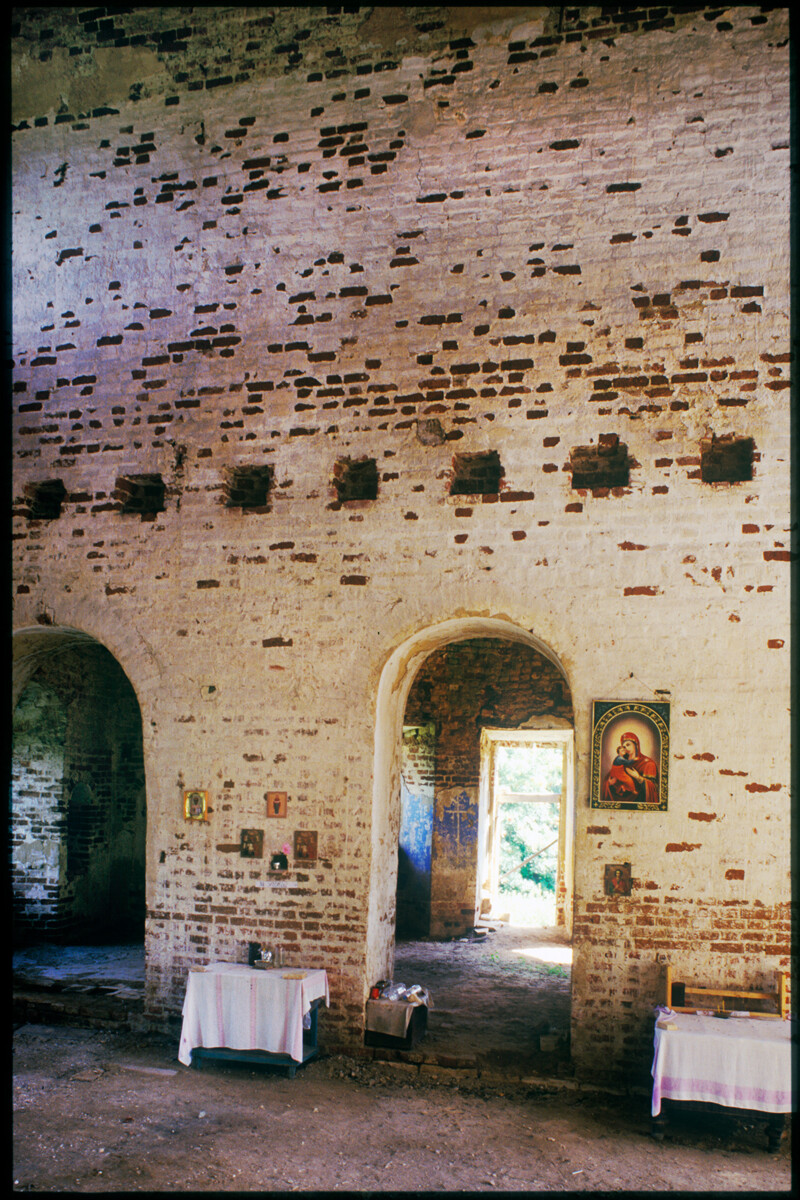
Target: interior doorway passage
x=78 y=810
x=486 y=782
x=502 y=996
x=464 y=697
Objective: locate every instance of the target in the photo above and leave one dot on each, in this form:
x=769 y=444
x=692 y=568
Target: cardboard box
x=394 y=1024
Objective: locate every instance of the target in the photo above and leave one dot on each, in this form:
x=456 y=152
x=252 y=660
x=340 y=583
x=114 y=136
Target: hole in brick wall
x=728 y=459
x=605 y=465
x=476 y=474
x=45 y=499
x=142 y=494
x=355 y=479
x=246 y=487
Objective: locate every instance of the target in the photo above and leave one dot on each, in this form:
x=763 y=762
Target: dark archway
x=78 y=802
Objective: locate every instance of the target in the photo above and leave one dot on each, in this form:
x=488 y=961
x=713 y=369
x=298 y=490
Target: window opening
x=247 y=487
x=605 y=465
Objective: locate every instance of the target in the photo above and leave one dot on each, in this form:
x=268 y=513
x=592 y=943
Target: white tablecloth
x=741 y=1062
x=239 y=1007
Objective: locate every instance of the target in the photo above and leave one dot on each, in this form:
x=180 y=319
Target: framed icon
x=617 y=879
x=276 y=803
x=630 y=755
x=195 y=805
x=305 y=845
x=252 y=843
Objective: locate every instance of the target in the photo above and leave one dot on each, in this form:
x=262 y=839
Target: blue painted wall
x=416 y=833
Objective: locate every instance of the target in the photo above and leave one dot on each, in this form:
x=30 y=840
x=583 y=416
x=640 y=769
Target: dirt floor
x=97 y=1111
x=497 y=992
x=102 y=1110
x=503 y=991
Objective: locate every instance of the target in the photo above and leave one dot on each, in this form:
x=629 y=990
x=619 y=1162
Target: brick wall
x=37 y=772
x=258 y=247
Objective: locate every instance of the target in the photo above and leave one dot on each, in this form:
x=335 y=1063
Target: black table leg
x=775 y=1127
x=658 y=1126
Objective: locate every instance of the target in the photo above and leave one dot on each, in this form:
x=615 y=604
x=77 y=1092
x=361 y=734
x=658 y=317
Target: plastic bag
x=394 y=991
x=414 y=994
x=417 y=994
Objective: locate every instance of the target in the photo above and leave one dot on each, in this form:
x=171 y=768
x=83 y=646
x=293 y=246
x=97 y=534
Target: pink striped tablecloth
x=238 y=1007
x=738 y=1062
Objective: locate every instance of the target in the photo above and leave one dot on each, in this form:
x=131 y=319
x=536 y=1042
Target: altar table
x=736 y=1062
x=235 y=1007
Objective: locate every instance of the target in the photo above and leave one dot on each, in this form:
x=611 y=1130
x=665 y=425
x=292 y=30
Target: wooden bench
x=676 y=994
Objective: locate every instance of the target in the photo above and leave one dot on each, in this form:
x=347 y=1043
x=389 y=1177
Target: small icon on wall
x=252 y=843
x=195 y=805
x=305 y=845
x=617 y=880
x=276 y=803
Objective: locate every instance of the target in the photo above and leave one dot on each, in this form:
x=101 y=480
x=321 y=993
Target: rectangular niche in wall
x=247 y=487
x=355 y=479
x=476 y=474
x=728 y=459
x=142 y=494
x=605 y=465
x=45 y=499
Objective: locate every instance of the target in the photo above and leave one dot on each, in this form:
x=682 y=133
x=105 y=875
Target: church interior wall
x=286 y=284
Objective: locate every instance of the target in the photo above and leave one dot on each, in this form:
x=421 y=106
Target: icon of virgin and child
x=632 y=776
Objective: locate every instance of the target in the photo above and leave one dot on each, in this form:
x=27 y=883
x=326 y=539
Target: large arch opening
x=78 y=805
x=452 y=700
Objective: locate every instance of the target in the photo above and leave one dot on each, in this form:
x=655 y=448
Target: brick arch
x=397 y=676
x=31 y=643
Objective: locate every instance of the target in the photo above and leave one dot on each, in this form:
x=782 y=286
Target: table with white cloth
x=739 y=1062
x=232 y=1010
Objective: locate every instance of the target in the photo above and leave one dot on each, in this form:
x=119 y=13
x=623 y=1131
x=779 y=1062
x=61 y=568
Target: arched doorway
x=470 y=702
x=78 y=805
x=441 y=693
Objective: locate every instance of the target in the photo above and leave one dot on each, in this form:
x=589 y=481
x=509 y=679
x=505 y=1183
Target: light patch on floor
x=547 y=953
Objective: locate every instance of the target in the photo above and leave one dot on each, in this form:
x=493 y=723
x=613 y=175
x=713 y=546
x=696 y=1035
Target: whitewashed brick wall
x=285 y=237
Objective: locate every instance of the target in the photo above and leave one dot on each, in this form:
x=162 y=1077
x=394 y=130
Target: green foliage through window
x=527 y=880
x=527 y=828
x=533 y=769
